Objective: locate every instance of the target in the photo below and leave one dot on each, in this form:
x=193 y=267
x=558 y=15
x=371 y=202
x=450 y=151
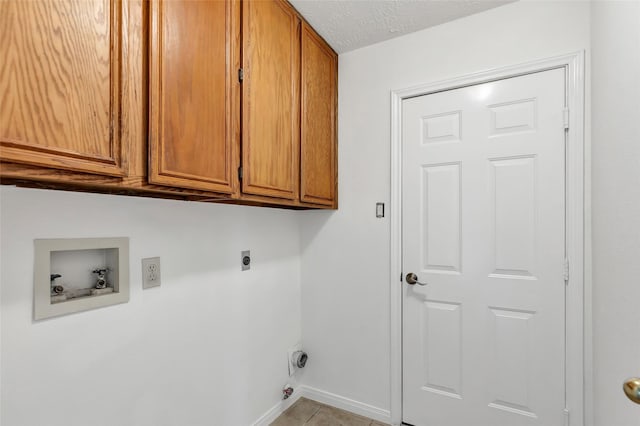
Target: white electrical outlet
x=292 y=366
x=150 y=272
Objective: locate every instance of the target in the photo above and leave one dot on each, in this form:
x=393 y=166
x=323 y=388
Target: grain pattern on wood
x=60 y=79
x=318 y=156
x=135 y=86
x=270 y=105
x=192 y=69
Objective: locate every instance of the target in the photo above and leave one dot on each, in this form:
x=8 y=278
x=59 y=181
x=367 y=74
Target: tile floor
x=310 y=413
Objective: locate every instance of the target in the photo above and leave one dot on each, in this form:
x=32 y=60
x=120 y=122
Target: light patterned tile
x=306 y=412
x=323 y=418
x=302 y=410
x=285 y=420
x=344 y=417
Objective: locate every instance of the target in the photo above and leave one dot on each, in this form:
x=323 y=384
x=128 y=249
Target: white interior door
x=484 y=226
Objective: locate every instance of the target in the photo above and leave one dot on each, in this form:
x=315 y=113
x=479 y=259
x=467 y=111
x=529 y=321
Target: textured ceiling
x=350 y=24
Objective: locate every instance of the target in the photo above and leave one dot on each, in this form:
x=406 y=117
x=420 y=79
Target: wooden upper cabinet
x=318 y=156
x=271 y=102
x=194 y=94
x=145 y=97
x=61 y=75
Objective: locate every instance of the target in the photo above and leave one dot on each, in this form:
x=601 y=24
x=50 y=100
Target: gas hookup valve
x=287 y=391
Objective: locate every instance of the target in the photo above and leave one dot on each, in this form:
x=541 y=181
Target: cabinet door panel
x=193 y=125
x=318 y=127
x=271 y=132
x=60 y=78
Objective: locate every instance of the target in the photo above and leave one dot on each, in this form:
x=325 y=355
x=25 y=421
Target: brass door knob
x=632 y=389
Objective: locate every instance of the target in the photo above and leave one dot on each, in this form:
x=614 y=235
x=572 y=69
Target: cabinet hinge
x=565 y=118
x=240 y=172
x=566 y=271
x=566 y=416
x=240 y=75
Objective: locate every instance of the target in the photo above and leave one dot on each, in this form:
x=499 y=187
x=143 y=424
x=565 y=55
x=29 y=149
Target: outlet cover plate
x=245 y=260
x=151 y=272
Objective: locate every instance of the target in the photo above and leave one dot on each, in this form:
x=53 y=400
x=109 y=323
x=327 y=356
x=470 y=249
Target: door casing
x=578 y=289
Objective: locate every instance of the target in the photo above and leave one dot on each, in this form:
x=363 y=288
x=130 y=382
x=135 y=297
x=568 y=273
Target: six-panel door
x=483 y=225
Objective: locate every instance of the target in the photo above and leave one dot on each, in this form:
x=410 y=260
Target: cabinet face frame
x=318 y=138
x=259 y=171
x=69 y=156
x=161 y=171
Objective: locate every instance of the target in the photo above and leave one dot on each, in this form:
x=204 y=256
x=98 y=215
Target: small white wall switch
x=379 y=209
x=150 y=272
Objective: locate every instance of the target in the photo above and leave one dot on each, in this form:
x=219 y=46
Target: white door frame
x=578 y=290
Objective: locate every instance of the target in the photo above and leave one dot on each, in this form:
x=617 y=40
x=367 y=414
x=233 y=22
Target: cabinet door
x=61 y=77
x=270 y=105
x=318 y=128
x=194 y=94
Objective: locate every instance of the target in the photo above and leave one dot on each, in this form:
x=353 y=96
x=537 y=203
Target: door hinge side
x=240 y=75
x=566 y=271
x=566 y=416
x=240 y=172
x=565 y=118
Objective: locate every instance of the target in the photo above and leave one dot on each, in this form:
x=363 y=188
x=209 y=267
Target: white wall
x=206 y=348
x=616 y=207
x=345 y=259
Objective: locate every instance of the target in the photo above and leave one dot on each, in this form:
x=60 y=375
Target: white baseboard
x=346 y=404
x=273 y=413
x=328 y=398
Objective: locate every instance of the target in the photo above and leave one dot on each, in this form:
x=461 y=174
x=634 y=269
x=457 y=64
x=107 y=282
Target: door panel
x=61 y=74
x=318 y=127
x=511 y=342
x=512 y=204
x=441 y=231
x=193 y=93
x=270 y=101
x=442 y=347
x=483 y=225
